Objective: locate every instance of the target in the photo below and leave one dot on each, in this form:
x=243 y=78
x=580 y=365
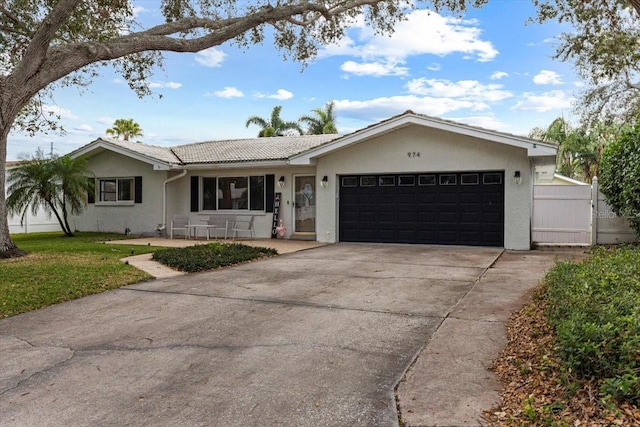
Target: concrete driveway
x=313 y=338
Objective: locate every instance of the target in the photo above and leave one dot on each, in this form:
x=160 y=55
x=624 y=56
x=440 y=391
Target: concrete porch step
x=304 y=236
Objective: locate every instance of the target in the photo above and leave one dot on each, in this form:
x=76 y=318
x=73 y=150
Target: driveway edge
x=450 y=382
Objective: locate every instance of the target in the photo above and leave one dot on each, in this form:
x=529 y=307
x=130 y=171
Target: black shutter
x=269 y=190
x=91 y=190
x=137 y=189
x=195 y=194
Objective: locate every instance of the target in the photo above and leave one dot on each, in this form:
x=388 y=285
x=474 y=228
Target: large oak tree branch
x=36 y=51
x=62 y=60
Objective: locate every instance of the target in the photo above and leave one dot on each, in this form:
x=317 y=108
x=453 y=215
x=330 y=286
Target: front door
x=305 y=204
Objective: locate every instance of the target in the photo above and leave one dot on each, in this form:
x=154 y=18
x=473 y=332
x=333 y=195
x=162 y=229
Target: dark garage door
x=464 y=208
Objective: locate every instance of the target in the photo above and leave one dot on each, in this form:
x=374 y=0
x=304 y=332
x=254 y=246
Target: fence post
x=594 y=210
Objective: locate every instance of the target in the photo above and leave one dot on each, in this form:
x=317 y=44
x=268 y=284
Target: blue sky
x=487 y=68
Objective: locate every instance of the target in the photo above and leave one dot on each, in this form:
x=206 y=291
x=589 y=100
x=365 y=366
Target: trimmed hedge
x=619 y=176
x=594 y=307
x=206 y=257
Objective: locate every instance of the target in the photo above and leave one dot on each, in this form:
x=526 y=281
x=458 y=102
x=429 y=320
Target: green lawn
x=59 y=268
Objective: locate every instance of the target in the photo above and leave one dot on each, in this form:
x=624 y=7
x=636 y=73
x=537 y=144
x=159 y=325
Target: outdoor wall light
x=324 y=182
x=281 y=182
x=517 y=179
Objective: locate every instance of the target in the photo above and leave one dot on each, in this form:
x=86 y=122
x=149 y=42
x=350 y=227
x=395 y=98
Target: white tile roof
x=156 y=152
x=226 y=151
x=248 y=150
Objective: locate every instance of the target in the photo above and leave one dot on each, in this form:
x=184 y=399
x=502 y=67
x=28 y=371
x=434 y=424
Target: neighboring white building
x=31 y=223
x=408 y=179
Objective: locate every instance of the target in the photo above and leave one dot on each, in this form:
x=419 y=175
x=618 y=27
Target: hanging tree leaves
x=604 y=45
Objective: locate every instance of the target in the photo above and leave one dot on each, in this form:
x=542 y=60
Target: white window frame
x=118 y=200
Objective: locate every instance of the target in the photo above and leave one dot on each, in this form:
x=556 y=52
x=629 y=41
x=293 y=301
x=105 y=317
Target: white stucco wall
x=439 y=152
x=140 y=218
x=179 y=200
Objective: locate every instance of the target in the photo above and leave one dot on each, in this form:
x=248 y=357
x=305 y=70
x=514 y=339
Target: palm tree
x=125 y=128
x=323 y=122
x=579 y=150
x=275 y=126
x=71 y=176
x=559 y=132
x=56 y=185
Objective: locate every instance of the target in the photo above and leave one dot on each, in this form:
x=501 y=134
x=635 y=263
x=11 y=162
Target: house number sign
x=413 y=154
x=276 y=214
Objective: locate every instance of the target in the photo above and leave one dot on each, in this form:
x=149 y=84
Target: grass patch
x=206 y=257
x=59 y=268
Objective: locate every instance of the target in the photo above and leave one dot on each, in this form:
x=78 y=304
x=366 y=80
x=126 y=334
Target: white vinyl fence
x=608 y=227
x=576 y=215
x=33 y=223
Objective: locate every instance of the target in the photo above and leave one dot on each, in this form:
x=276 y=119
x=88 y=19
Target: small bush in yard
x=594 y=307
x=207 y=257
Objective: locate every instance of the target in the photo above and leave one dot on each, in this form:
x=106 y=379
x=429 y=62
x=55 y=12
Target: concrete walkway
x=160 y=271
x=450 y=383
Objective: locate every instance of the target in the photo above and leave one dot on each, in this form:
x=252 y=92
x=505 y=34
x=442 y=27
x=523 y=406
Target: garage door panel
x=407 y=216
x=469 y=237
x=471 y=198
x=492 y=217
x=475 y=217
x=448 y=198
x=424 y=197
x=420 y=209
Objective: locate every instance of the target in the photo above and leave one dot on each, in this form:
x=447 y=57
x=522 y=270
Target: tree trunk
x=67 y=229
x=52 y=206
x=8 y=249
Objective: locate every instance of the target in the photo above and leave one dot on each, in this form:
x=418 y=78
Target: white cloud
x=486 y=122
x=547 y=77
x=281 y=94
x=468 y=90
x=105 y=120
x=164 y=85
x=211 y=57
x=375 y=69
x=228 y=92
x=423 y=32
x=547 y=101
x=385 y=107
x=57 y=111
x=137 y=10
x=499 y=75
x=118 y=81
x=83 y=128
x=434 y=67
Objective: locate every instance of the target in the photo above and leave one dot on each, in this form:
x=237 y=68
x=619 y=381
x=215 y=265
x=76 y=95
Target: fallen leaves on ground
x=538 y=391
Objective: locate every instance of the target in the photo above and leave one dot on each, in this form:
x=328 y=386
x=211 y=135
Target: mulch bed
x=537 y=391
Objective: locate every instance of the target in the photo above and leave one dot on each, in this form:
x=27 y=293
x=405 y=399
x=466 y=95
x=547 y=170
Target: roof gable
x=534 y=147
x=162 y=158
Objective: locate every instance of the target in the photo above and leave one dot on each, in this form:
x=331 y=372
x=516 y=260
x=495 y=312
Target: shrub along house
x=408 y=179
